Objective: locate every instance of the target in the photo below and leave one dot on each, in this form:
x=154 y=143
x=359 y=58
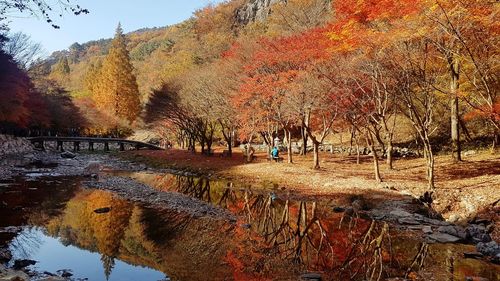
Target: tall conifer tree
x=116 y=91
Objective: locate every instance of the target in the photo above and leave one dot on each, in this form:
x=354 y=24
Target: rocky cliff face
x=254 y=10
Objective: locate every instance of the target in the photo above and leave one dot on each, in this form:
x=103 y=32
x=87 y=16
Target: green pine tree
x=116 y=91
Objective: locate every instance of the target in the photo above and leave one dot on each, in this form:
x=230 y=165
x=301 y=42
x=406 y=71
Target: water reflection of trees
x=303 y=232
x=135 y=234
x=26 y=243
x=275 y=235
x=195 y=187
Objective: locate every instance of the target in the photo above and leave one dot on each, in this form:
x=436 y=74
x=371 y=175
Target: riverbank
x=11 y=145
x=150 y=180
x=463 y=190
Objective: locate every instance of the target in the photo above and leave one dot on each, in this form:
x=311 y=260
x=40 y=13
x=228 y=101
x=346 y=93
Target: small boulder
x=65 y=273
x=454 y=218
x=349 y=211
x=357 y=205
x=102 y=210
x=55 y=278
x=93 y=167
x=408 y=221
x=488 y=249
x=12 y=275
x=470 y=153
x=400 y=213
x=68 y=155
x=20 y=264
x=338 y=209
x=473 y=255
x=311 y=276
x=454 y=230
x=443 y=238
x=478 y=233
x=5 y=255
x=246 y=226
x=496 y=259
x=427 y=229
x=475 y=278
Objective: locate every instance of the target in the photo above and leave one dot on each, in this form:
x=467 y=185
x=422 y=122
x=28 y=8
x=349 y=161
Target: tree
x=15 y=87
x=63 y=66
x=279 y=90
x=39 y=8
x=116 y=91
x=60 y=72
x=206 y=92
x=23 y=49
x=466 y=35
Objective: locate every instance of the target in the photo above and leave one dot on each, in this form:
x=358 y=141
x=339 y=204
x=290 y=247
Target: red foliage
x=365 y=11
x=15 y=87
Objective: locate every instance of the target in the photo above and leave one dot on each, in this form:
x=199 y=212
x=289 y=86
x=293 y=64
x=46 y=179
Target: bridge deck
x=94 y=140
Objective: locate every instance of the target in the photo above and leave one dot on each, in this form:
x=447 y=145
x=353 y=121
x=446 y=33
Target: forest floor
x=463 y=190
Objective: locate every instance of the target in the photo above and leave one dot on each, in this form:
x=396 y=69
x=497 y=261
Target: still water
x=276 y=237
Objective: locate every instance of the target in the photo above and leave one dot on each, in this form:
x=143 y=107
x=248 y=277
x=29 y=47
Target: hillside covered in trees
x=301 y=70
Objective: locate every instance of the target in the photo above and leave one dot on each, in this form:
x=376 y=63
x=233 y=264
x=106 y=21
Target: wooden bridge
x=39 y=143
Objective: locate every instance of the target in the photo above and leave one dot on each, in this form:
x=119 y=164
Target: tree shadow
x=468 y=169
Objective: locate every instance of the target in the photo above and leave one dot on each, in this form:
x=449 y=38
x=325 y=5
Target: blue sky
x=103 y=19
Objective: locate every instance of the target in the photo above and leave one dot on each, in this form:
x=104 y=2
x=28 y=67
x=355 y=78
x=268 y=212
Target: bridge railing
x=40 y=141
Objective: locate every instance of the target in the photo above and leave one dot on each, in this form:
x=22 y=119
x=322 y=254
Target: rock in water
x=488 y=249
x=427 y=229
x=102 y=210
x=478 y=233
x=457 y=231
x=5 y=255
x=311 y=277
x=443 y=238
x=338 y=209
x=400 y=213
x=68 y=155
x=11 y=275
x=20 y=264
x=92 y=168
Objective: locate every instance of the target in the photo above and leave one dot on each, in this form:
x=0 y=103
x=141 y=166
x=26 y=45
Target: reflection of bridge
x=39 y=142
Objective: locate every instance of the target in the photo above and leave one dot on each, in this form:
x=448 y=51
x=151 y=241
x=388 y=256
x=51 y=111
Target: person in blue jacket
x=275 y=154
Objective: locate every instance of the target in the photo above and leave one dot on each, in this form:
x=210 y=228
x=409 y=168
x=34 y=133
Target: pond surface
x=53 y=220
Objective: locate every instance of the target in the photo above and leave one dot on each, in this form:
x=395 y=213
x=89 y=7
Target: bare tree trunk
x=250 y=151
x=350 y=142
x=390 y=137
x=389 y=155
x=496 y=140
x=305 y=135
x=230 y=145
x=429 y=158
x=376 y=167
x=288 y=135
x=316 y=155
x=202 y=143
x=455 y=116
x=228 y=137
x=465 y=130
x=358 y=160
x=303 y=150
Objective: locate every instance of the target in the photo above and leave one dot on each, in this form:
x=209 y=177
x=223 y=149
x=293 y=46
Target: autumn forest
x=361 y=78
